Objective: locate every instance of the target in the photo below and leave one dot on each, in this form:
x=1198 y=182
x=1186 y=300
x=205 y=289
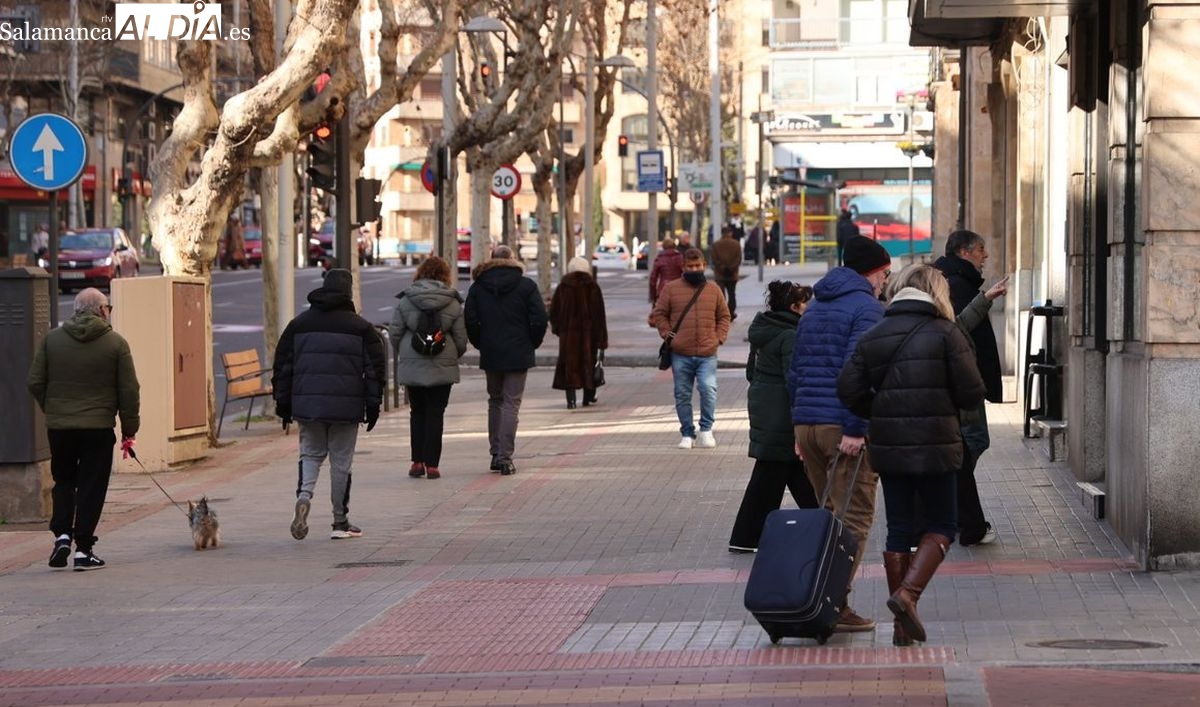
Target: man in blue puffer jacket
x=845 y=305
x=328 y=375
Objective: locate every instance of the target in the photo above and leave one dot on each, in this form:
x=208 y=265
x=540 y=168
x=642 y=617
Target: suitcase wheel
x=775 y=638
x=821 y=638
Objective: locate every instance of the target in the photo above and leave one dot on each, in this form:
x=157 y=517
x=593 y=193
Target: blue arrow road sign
x=48 y=151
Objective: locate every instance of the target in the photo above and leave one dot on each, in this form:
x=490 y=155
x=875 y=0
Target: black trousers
x=764 y=493
x=729 y=287
x=971 y=523
x=589 y=396
x=81 y=464
x=427 y=412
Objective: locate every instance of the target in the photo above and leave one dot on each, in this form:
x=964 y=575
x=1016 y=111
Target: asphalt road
x=238 y=310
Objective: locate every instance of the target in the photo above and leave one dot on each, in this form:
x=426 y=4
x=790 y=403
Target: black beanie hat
x=864 y=256
x=339 y=280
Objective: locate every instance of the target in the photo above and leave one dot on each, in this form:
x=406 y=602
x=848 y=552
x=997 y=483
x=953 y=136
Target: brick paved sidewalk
x=597 y=575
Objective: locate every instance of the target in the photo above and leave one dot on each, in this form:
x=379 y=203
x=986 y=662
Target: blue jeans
x=939 y=505
x=702 y=372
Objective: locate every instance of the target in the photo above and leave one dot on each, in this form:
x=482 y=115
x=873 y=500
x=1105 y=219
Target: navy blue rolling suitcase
x=797 y=586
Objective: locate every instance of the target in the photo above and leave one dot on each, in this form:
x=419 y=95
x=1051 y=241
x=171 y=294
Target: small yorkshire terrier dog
x=203 y=521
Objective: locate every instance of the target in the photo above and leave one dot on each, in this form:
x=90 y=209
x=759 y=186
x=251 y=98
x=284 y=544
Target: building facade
x=1087 y=116
x=127 y=95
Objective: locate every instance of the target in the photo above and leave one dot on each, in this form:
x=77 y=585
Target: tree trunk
x=481 y=167
x=544 y=188
x=269 y=221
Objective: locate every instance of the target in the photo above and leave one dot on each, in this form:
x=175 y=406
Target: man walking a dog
x=83 y=377
x=328 y=376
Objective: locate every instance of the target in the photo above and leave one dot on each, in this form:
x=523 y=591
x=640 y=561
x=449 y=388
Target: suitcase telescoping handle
x=829 y=474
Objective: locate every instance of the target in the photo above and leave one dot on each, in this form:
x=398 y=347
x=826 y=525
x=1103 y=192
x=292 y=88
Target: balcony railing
x=837 y=32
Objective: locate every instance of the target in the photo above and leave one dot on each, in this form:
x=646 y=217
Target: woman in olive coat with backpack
x=772 y=441
x=429 y=337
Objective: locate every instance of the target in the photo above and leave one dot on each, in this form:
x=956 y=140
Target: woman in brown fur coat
x=577 y=319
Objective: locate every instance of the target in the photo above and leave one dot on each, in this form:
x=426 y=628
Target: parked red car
x=252 y=237
x=94 y=257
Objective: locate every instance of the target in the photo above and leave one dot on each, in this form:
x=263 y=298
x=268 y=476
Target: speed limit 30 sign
x=506 y=182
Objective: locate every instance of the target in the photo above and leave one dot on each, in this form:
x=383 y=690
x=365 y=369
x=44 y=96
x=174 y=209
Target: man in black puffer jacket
x=506 y=320
x=329 y=374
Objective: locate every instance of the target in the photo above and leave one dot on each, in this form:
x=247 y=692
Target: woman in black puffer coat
x=772 y=441
x=910 y=375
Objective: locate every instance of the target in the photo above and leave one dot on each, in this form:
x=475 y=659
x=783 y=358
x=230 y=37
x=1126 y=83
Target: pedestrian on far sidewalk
x=577 y=318
x=772 y=442
x=846 y=229
x=428 y=369
x=40 y=243
x=82 y=377
x=506 y=321
x=692 y=314
x=668 y=266
x=328 y=376
x=910 y=375
x=845 y=305
x=726 y=261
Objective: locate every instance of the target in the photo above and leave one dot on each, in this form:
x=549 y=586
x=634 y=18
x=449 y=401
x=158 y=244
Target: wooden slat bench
x=245 y=377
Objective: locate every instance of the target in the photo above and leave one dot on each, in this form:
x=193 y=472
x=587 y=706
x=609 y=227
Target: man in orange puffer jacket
x=704 y=327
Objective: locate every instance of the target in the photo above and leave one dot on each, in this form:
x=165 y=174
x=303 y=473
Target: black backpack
x=428 y=339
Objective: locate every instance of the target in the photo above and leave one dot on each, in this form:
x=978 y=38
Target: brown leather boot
x=895 y=564
x=903 y=602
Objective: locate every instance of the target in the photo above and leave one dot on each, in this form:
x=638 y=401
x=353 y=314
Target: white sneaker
x=706 y=439
x=686 y=443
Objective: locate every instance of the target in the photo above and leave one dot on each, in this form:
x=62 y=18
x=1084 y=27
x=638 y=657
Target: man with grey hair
x=506 y=320
x=82 y=377
x=962 y=265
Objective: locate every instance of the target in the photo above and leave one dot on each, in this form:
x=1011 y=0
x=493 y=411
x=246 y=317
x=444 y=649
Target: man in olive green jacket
x=82 y=377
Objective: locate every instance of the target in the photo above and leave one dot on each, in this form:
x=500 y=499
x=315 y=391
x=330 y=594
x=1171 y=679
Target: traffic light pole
x=344 y=250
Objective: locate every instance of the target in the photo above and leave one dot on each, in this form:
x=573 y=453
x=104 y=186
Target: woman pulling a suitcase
x=911 y=374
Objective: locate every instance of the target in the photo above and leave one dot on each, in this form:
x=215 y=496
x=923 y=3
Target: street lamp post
x=489 y=25
x=670 y=143
x=651 y=124
x=760 y=117
x=589 y=150
x=714 y=117
x=589 y=155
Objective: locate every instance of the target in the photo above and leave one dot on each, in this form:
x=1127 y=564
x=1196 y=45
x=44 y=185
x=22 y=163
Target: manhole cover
x=371 y=563
x=1096 y=644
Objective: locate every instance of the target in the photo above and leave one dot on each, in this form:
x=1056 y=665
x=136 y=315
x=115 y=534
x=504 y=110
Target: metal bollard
x=390 y=377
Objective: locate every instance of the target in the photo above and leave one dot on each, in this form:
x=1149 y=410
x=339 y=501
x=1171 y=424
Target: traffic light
x=623 y=146
x=485 y=70
x=366 y=194
x=322 y=158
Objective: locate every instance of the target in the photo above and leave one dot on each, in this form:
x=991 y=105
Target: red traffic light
x=485 y=70
x=623 y=146
x=323 y=131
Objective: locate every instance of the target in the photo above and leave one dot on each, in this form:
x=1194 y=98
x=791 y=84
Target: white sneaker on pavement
x=706 y=439
x=687 y=443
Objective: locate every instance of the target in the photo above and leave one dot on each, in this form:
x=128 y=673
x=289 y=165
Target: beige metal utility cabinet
x=163 y=320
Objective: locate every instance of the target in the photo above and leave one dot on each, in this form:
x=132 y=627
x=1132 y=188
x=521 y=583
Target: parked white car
x=611 y=256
